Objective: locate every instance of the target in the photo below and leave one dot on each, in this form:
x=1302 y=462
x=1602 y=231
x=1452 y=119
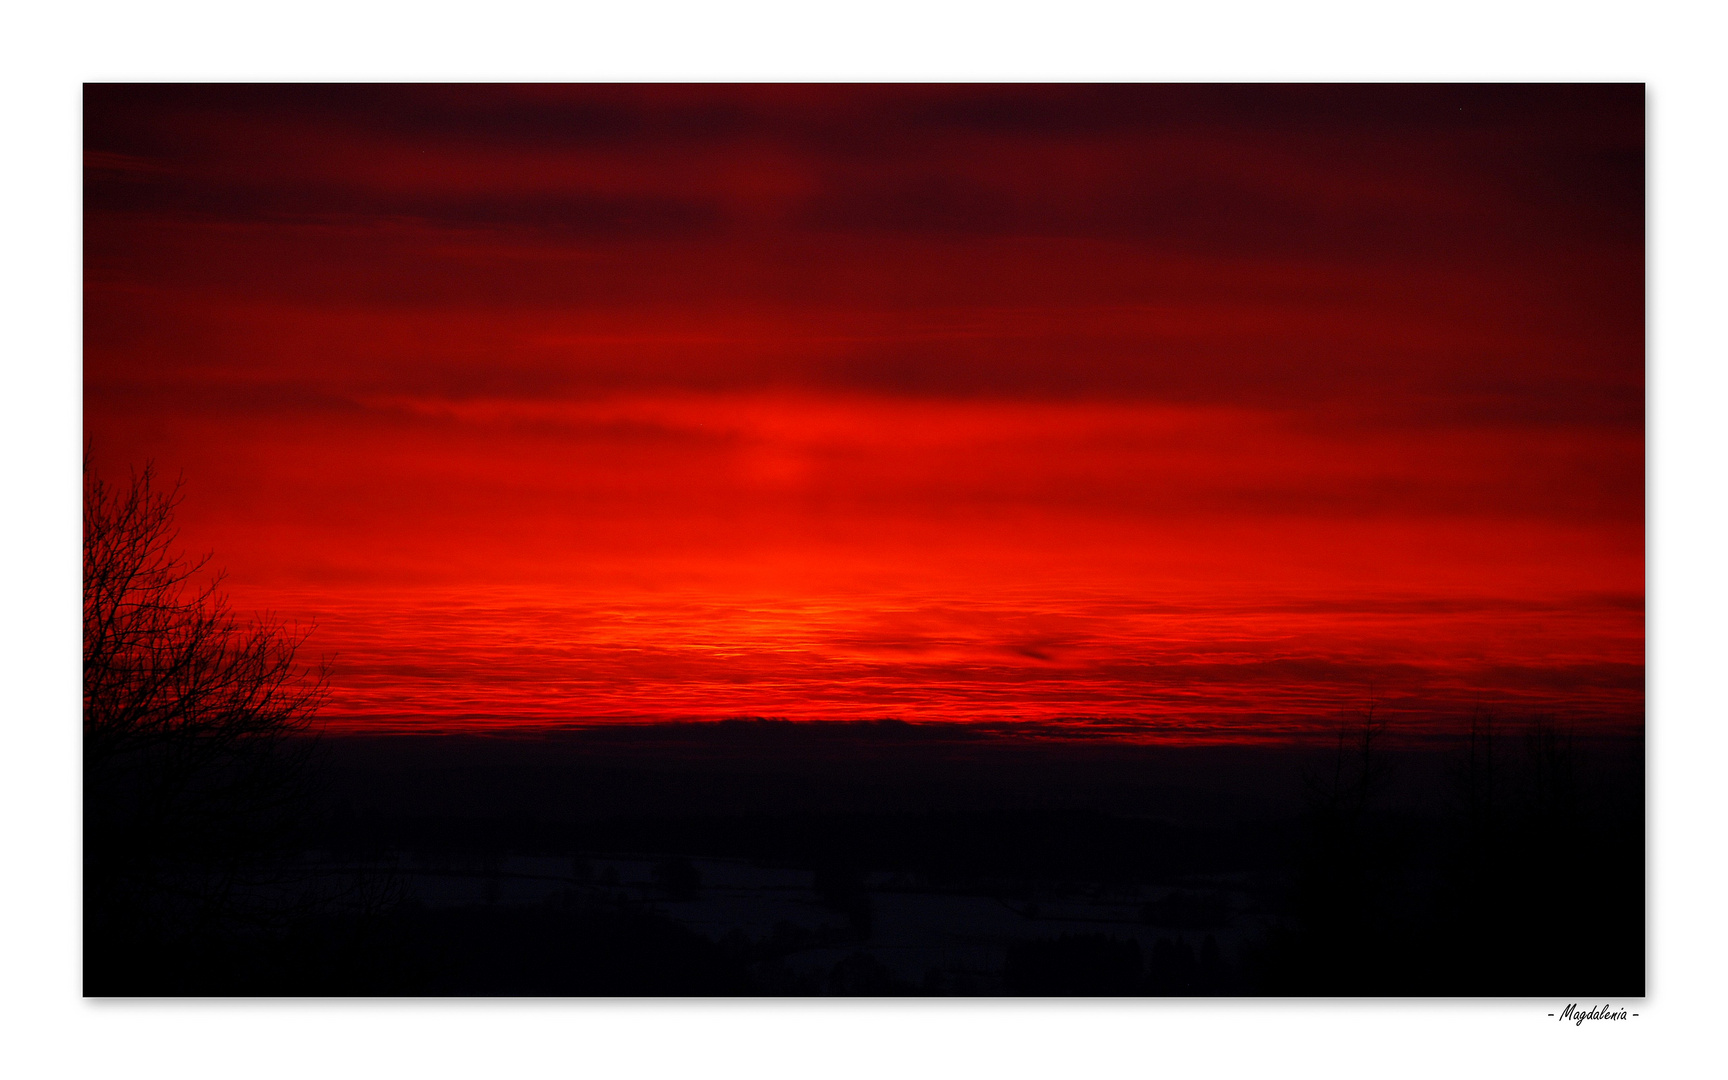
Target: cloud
x=1104 y=401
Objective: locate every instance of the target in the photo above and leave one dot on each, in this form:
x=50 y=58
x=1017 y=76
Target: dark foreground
x=766 y=858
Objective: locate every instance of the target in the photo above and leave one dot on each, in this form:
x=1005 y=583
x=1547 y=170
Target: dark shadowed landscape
x=755 y=857
x=1157 y=540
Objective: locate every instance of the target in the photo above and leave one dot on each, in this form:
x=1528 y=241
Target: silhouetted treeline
x=1530 y=882
x=1543 y=875
x=199 y=763
x=186 y=770
x=229 y=851
x=1456 y=871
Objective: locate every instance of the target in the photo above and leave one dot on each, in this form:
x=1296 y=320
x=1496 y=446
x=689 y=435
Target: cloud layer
x=1204 y=407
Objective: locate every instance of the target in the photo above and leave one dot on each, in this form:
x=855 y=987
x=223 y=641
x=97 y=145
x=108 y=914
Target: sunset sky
x=1171 y=412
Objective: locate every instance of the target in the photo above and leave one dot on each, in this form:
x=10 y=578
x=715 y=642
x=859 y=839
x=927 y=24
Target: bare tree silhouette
x=196 y=734
x=1347 y=855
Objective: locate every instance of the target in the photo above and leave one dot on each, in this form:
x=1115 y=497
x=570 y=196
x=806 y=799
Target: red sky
x=1193 y=412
